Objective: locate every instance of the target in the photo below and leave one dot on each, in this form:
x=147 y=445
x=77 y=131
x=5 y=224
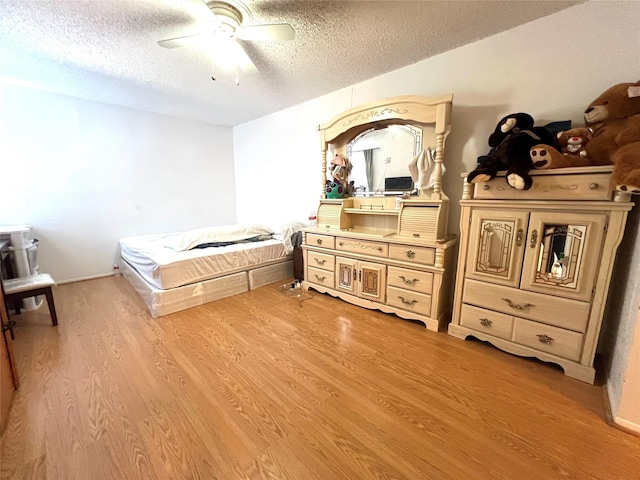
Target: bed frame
x=163 y=302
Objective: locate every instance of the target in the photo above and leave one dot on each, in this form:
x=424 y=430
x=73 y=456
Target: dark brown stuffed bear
x=510 y=144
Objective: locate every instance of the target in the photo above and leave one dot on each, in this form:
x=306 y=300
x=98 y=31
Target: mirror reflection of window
x=380 y=154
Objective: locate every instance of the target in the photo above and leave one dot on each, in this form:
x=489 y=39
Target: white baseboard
x=81 y=279
x=627 y=425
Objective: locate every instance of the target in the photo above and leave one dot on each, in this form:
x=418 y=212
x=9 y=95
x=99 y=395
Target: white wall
x=551 y=68
x=85 y=174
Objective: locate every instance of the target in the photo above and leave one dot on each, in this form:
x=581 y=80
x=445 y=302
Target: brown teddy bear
x=572 y=152
x=614 y=119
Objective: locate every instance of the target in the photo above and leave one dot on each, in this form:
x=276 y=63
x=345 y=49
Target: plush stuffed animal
x=572 y=152
x=511 y=142
x=340 y=168
x=615 y=119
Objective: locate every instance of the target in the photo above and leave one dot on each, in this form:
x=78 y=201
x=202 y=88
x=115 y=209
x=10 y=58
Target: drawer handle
x=407 y=302
x=594 y=186
x=485 y=322
x=408 y=281
x=534 y=239
x=416 y=234
x=410 y=253
x=519 y=237
x=546 y=339
x=379 y=249
x=320 y=262
x=319 y=240
x=524 y=306
x=319 y=278
x=485 y=187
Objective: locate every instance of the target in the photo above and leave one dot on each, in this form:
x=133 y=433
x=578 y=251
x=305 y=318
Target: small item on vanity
x=334 y=189
x=398 y=203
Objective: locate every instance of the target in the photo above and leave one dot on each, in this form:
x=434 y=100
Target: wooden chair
x=17 y=289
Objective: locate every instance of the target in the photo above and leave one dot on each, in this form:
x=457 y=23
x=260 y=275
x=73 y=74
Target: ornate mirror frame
x=420 y=112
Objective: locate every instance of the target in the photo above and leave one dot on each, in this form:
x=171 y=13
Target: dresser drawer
x=406 y=253
x=320 y=277
x=487 y=321
x=557 y=341
x=587 y=186
x=414 y=280
x=562 y=312
x=321 y=260
x=324 y=241
x=376 y=249
x=407 y=300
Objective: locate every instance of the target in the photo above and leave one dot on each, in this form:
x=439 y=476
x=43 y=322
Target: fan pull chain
x=237 y=77
x=213 y=76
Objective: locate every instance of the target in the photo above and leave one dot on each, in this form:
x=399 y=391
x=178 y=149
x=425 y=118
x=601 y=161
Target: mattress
x=165 y=268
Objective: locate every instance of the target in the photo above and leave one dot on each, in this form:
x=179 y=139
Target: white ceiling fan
x=228 y=25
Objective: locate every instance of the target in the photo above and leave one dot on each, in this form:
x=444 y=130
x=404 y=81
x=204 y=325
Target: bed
x=177 y=271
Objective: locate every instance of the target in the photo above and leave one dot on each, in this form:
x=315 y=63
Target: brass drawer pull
x=485 y=322
x=379 y=249
x=320 y=262
x=546 y=339
x=408 y=281
x=319 y=278
x=524 y=306
x=416 y=234
x=407 y=302
x=519 y=237
x=534 y=239
x=410 y=253
x=319 y=241
x=594 y=186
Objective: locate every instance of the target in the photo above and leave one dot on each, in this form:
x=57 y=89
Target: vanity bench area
x=379 y=248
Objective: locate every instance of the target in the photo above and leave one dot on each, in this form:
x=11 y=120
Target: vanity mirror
x=395 y=131
x=380 y=159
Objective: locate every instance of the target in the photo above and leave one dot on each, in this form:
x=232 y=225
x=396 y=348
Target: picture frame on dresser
x=379 y=249
x=534 y=266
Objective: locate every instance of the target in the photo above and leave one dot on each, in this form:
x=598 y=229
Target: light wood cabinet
x=535 y=266
x=378 y=249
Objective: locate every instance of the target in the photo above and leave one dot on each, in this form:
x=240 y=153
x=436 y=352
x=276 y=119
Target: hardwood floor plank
x=264 y=386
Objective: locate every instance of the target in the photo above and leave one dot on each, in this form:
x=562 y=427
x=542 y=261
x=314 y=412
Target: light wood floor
x=256 y=386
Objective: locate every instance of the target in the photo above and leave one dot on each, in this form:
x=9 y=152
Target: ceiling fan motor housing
x=228 y=15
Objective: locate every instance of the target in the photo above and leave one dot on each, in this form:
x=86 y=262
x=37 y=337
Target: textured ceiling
x=106 y=50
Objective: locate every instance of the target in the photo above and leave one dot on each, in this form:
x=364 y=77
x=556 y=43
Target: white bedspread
x=166 y=268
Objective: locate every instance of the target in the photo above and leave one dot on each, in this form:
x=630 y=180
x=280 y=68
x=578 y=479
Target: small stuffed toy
x=340 y=168
x=572 y=152
x=615 y=119
x=510 y=144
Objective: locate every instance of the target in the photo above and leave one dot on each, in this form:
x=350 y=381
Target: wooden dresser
x=384 y=250
x=534 y=266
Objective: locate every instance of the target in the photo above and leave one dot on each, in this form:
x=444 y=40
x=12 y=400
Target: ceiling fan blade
x=180 y=41
x=276 y=31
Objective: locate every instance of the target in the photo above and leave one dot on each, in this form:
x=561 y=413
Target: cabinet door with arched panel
x=496 y=256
